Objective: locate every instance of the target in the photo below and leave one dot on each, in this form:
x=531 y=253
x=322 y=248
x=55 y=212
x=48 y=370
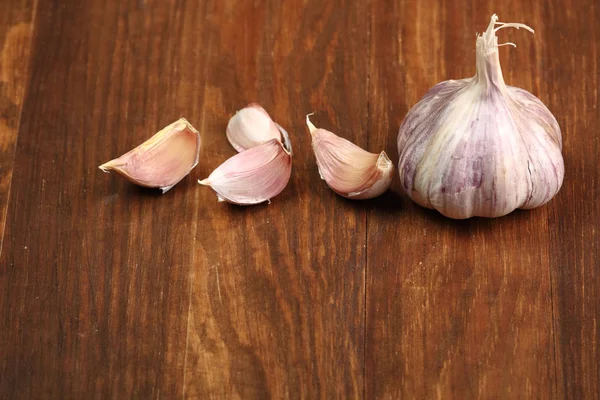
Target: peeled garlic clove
x=253 y=176
x=349 y=170
x=477 y=147
x=250 y=127
x=161 y=161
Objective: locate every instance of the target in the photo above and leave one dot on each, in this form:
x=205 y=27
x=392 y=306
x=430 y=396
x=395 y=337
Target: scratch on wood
x=187 y=335
x=218 y=283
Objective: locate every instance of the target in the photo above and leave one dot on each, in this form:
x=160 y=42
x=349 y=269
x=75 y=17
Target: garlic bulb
x=161 y=161
x=477 y=147
x=251 y=126
x=349 y=170
x=263 y=167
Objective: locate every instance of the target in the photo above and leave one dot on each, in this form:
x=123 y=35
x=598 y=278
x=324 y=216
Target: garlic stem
x=487 y=60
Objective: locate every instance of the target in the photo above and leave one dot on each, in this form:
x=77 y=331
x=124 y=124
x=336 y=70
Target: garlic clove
x=251 y=126
x=253 y=176
x=346 y=168
x=161 y=161
x=478 y=147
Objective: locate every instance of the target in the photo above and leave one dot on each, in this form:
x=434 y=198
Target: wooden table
x=110 y=291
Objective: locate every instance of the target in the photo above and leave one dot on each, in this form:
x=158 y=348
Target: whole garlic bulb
x=477 y=147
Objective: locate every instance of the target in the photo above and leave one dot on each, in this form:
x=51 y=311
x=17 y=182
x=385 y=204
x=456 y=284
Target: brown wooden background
x=111 y=290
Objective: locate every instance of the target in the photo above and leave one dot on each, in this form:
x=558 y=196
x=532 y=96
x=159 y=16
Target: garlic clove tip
x=311 y=127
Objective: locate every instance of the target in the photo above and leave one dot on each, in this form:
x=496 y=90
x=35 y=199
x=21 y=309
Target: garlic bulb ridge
x=477 y=147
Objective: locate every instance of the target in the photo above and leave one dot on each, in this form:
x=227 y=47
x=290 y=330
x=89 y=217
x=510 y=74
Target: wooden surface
x=110 y=291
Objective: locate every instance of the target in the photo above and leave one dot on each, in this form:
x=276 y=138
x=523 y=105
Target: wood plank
x=120 y=292
x=95 y=272
x=277 y=306
x=16 y=26
x=574 y=224
x=456 y=309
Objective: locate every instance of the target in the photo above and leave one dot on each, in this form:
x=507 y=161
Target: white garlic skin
x=250 y=127
x=477 y=147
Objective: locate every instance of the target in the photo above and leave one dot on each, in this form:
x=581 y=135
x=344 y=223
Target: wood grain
x=16 y=26
x=464 y=309
x=450 y=303
x=277 y=306
x=95 y=272
x=572 y=81
x=110 y=291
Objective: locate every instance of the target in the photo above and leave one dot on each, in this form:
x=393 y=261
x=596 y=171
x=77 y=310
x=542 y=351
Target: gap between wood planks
x=554 y=327
x=191 y=273
x=366 y=276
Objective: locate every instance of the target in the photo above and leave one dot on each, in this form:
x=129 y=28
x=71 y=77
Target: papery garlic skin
x=477 y=147
x=161 y=161
x=263 y=167
x=347 y=169
x=250 y=127
x=252 y=176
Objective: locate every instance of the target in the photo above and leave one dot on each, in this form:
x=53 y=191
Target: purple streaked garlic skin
x=477 y=147
x=347 y=169
x=161 y=161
